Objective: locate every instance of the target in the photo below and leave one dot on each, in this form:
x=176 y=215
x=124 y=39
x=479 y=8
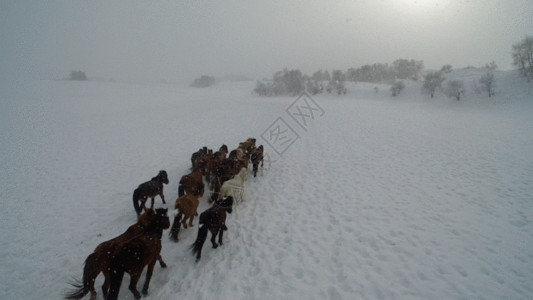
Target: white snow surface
x=379 y=198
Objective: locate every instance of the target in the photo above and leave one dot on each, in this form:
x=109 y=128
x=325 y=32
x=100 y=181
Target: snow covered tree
x=455 y=88
x=523 y=57
x=446 y=69
x=407 y=69
x=432 y=81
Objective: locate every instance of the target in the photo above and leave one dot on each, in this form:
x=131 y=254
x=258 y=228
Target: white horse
x=235 y=186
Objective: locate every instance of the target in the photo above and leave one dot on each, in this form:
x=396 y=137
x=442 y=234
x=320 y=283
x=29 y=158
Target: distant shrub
x=203 y=81
x=77 y=75
x=397 y=87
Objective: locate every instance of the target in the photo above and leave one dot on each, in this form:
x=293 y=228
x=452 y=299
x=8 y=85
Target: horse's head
x=226 y=203
x=161 y=219
x=146 y=218
x=199 y=190
x=223 y=148
x=163 y=177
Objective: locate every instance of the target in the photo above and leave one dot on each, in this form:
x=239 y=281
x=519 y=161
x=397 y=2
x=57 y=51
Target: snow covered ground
x=376 y=198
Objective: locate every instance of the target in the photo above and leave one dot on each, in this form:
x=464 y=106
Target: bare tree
x=455 y=88
x=488 y=82
x=432 y=81
x=523 y=57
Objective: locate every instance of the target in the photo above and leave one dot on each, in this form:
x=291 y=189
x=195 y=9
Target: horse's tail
x=90 y=271
x=199 y=243
x=116 y=275
x=176 y=226
x=136 y=196
x=77 y=293
x=181 y=188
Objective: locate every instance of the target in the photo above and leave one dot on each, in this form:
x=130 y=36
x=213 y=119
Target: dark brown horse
x=213 y=219
x=137 y=253
x=192 y=183
x=99 y=260
x=215 y=161
x=200 y=160
x=149 y=189
x=229 y=168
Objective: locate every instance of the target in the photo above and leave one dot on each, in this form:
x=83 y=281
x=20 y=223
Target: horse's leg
x=162 y=197
x=143 y=203
x=220 y=234
x=191 y=218
x=184 y=221
x=105 y=286
x=161 y=262
x=134 y=278
x=214 y=232
x=153 y=199
x=149 y=272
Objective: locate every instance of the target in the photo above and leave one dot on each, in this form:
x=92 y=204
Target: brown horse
x=149 y=189
x=187 y=206
x=249 y=145
x=216 y=161
x=98 y=261
x=213 y=219
x=137 y=253
x=192 y=183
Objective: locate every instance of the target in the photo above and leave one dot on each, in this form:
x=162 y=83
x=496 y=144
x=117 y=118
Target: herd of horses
x=140 y=245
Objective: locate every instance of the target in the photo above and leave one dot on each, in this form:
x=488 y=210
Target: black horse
x=137 y=253
x=214 y=220
x=149 y=189
x=257 y=157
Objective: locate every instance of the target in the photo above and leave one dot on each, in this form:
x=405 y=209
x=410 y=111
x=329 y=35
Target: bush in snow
x=77 y=75
x=397 y=87
x=203 y=81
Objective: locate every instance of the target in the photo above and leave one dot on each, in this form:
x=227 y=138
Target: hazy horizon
x=178 y=41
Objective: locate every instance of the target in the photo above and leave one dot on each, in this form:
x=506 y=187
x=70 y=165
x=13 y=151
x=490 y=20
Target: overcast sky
x=180 y=40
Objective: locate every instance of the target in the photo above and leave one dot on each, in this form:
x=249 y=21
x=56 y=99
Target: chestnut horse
x=149 y=189
x=213 y=219
x=98 y=261
x=137 y=253
x=187 y=206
